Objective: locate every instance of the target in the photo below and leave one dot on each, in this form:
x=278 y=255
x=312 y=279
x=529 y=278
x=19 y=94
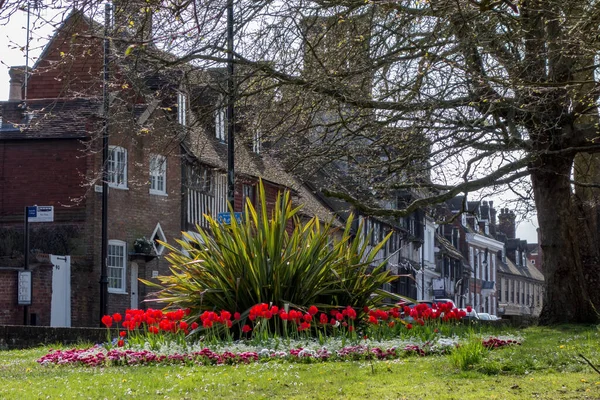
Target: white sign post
x=24 y=288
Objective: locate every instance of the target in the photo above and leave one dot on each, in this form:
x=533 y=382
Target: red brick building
x=163 y=175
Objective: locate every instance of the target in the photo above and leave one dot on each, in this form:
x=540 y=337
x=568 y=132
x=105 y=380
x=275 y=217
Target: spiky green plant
x=272 y=258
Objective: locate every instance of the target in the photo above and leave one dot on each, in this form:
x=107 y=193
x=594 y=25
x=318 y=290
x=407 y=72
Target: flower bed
x=272 y=333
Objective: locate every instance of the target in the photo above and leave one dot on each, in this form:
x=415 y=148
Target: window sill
x=116 y=291
x=118 y=187
x=158 y=193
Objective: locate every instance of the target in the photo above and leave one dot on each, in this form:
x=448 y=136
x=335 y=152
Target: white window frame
x=117 y=169
x=158 y=248
x=256 y=145
x=110 y=266
x=221 y=123
x=158 y=171
x=182 y=108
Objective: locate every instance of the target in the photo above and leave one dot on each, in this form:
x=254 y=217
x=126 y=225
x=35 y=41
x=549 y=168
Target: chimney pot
x=17 y=77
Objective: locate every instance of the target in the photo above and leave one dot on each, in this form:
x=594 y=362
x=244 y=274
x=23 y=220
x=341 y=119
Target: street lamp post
x=230 y=108
x=484 y=265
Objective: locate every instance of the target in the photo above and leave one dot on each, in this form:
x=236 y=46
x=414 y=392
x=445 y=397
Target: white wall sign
x=40 y=214
x=24 y=288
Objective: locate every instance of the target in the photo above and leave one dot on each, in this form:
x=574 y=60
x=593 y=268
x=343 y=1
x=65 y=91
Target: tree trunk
x=567 y=297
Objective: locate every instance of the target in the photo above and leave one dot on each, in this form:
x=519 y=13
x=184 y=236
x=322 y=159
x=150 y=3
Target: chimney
x=492 y=219
x=17 y=77
x=506 y=224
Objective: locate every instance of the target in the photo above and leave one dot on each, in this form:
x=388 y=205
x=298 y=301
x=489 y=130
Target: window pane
x=116 y=266
x=158 y=171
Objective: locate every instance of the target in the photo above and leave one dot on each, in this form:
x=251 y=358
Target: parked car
x=488 y=317
x=471 y=315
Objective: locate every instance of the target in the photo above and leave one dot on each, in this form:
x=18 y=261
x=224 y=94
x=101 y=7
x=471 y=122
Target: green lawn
x=546 y=366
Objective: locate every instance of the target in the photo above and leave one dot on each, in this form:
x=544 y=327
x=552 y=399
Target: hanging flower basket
x=142 y=246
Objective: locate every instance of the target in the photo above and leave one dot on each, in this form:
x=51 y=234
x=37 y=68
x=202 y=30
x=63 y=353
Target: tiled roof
x=448 y=248
x=529 y=271
x=49 y=119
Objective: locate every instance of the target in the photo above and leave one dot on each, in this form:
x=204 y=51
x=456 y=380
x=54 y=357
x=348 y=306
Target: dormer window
x=256 y=142
x=157 y=236
x=220 y=123
x=182 y=108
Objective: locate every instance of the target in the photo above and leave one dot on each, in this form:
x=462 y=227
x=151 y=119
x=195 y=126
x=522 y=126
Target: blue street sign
x=32 y=212
x=225 y=217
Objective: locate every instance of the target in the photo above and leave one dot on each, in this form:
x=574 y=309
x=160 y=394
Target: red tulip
x=107 y=321
x=117 y=317
x=323 y=319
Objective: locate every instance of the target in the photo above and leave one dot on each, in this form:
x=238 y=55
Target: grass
x=546 y=366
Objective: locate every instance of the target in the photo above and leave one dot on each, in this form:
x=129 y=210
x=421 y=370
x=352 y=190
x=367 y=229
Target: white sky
x=12 y=43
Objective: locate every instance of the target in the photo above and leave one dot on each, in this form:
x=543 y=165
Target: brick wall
x=42 y=172
x=70 y=66
x=11 y=312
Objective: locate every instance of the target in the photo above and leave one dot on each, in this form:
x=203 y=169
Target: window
x=256 y=142
x=391 y=244
x=116 y=266
x=156 y=236
x=117 y=167
x=158 y=174
x=200 y=178
x=512 y=292
x=182 y=108
x=248 y=195
x=220 y=123
x=500 y=290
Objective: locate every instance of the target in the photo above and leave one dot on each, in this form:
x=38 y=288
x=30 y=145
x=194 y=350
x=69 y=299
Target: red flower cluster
x=444 y=311
x=262 y=310
x=209 y=318
x=377 y=316
x=154 y=320
x=342 y=316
